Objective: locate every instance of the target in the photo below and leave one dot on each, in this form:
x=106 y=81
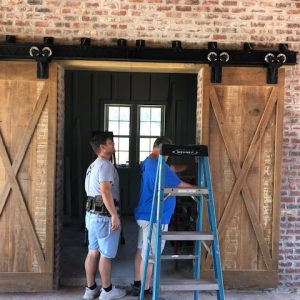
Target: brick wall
x=194 y=22
x=289 y=255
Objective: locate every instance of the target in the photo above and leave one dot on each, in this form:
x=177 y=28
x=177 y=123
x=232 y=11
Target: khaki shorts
x=143 y=235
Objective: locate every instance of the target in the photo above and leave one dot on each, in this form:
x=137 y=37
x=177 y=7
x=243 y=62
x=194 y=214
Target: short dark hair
x=162 y=140
x=100 y=138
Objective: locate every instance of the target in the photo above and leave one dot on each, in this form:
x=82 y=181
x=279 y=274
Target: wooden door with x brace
x=242 y=125
x=27 y=176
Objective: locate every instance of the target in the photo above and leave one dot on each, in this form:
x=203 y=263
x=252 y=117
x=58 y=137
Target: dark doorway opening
x=137 y=107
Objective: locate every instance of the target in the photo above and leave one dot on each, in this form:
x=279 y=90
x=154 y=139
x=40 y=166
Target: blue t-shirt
x=143 y=210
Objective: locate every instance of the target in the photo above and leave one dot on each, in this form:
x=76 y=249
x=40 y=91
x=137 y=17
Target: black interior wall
x=86 y=93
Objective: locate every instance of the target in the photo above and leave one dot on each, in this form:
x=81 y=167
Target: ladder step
x=176 y=256
x=187 y=236
x=193 y=191
x=188 y=285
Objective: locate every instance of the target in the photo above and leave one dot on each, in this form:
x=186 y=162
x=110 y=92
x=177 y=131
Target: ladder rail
x=149 y=238
x=199 y=225
x=215 y=243
x=157 y=254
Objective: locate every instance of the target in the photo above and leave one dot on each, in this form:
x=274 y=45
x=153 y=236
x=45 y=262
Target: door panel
x=242 y=125
x=27 y=172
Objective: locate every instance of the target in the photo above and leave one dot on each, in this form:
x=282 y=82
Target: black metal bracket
x=274 y=62
x=48 y=51
x=176 y=46
x=42 y=56
x=10 y=39
x=140 y=45
x=216 y=62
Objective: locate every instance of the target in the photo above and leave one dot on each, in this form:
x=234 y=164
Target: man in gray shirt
x=102 y=219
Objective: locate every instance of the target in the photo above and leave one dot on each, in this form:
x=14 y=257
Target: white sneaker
x=91 y=294
x=113 y=294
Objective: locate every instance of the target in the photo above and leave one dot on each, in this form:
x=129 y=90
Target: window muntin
x=151 y=126
x=117 y=119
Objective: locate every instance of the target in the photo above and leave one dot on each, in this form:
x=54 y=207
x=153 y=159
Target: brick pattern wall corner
x=289 y=245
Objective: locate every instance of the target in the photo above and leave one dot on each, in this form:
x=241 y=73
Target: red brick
x=22 y=23
x=66 y=10
x=221 y=9
x=80 y=25
x=89 y=19
x=53 y=3
x=173 y=14
x=70 y=18
x=247 y=17
x=229 y=3
x=164 y=8
x=72 y=4
x=219 y=37
x=53 y=31
x=238 y=10
x=91 y=4
x=210 y=2
x=33 y=2
x=119 y=13
x=41 y=24
x=184 y=8
x=192 y=2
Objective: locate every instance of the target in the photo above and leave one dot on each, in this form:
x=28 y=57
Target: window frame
x=162 y=129
x=106 y=121
x=134 y=128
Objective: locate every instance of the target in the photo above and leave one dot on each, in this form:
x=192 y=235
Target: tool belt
x=95 y=205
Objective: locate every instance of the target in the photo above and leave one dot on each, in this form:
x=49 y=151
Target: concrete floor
x=74 y=253
x=75 y=293
x=73 y=277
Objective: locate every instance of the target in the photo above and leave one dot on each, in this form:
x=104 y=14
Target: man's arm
x=172 y=180
x=106 y=192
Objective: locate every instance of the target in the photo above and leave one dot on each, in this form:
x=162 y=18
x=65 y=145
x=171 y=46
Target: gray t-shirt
x=101 y=170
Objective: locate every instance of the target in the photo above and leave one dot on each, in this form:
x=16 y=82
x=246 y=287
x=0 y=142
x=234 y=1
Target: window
x=117 y=119
x=147 y=123
x=151 y=126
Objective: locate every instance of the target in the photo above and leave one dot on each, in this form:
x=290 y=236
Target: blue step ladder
x=202 y=192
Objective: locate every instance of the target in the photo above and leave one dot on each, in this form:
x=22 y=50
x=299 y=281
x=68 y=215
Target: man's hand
x=106 y=192
x=184 y=184
x=115 y=222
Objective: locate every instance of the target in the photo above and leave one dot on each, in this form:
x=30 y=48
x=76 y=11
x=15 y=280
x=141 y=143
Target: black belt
x=95 y=205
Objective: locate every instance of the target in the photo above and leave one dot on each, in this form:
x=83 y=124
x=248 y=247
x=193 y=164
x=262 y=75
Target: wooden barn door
x=27 y=176
x=242 y=125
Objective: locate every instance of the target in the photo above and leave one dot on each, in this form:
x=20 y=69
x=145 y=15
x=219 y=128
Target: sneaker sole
x=119 y=297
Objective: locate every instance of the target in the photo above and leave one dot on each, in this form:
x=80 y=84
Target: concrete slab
x=74 y=293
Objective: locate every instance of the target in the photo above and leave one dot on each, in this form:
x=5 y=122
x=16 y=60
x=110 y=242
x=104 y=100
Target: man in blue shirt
x=143 y=211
